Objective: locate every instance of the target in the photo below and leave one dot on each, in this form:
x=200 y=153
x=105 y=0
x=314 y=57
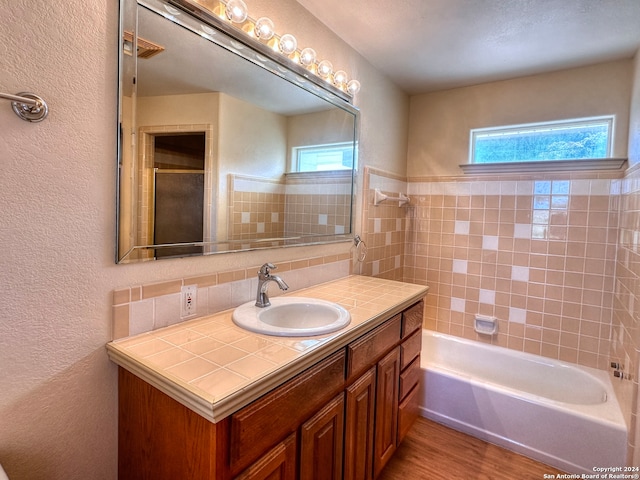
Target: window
x=334 y=156
x=585 y=138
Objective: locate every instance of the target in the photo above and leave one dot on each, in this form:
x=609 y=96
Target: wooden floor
x=432 y=451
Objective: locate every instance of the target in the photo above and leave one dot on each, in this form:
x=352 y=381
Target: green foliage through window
x=564 y=140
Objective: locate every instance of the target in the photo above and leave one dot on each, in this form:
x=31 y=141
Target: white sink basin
x=292 y=317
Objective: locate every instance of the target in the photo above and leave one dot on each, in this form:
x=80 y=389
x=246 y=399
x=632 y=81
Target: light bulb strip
x=322 y=69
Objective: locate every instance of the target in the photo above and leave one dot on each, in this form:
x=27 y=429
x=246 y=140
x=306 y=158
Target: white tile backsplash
x=522 y=230
x=151 y=314
x=167 y=310
x=141 y=316
x=520 y=274
x=461 y=227
x=517 y=315
x=458 y=304
x=490 y=242
x=487 y=296
x=459 y=266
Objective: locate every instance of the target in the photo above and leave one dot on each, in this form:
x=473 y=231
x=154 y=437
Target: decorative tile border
x=144 y=308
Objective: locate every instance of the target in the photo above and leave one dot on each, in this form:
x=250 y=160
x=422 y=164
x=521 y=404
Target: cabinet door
x=321 y=441
x=408 y=412
x=386 y=431
x=359 y=425
x=278 y=464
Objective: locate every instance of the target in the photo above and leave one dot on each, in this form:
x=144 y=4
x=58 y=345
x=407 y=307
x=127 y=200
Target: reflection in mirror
x=221 y=147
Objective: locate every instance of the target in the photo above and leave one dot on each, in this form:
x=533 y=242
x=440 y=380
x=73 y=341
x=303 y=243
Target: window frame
x=295 y=160
x=574 y=122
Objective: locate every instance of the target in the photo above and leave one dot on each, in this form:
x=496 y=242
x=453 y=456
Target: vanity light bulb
x=325 y=68
x=236 y=11
x=264 y=29
x=353 y=87
x=288 y=44
x=308 y=57
x=340 y=78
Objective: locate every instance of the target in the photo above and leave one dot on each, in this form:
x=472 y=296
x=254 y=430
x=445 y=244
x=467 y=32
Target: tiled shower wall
x=384 y=226
x=256 y=208
x=555 y=259
x=318 y=203
x=537 y=254
x=625 y=338
x=256 y=215
x=300 y=205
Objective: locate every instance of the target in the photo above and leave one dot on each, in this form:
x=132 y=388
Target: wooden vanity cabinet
x=377 y=349
x=265 y=422
x=384 y=400
x=341 y=418
x=161 y=439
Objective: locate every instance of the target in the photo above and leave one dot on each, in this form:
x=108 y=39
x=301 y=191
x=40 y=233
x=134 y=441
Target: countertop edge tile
x=216 y=409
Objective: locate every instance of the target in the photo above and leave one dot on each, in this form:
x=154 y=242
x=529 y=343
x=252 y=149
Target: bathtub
x=558 y=413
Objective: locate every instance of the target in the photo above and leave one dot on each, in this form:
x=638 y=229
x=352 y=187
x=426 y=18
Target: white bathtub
x=561 y=414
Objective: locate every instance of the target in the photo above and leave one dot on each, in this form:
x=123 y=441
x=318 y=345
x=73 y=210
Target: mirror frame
x=236 y=42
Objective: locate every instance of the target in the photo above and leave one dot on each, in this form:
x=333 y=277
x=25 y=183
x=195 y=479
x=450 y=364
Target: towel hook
x=28 y=106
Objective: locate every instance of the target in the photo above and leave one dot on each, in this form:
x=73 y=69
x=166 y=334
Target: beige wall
x=318 y=128
x=244 y=136
x=57 y=226
x=249 y=136
x=440 y=121
x=177 y=109
x=165 y=113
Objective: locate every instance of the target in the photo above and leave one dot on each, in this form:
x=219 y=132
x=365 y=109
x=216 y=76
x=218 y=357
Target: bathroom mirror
x=224 y=145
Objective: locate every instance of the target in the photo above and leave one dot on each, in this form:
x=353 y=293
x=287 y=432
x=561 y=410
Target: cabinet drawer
x=259 y=426
x=410 y=349
x=408 y=412
x=412 y=319
x=410 y=377
x=366 y=351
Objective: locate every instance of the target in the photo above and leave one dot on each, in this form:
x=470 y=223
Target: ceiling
x=429 y=45
x=191 y=64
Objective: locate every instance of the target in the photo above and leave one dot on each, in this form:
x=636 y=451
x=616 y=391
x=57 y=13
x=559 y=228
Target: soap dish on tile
x=486 y=325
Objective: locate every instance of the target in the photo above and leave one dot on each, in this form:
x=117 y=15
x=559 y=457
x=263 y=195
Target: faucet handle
x=264 y=269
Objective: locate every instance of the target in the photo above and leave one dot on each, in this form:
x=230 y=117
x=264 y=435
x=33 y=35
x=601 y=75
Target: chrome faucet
x=264 y=278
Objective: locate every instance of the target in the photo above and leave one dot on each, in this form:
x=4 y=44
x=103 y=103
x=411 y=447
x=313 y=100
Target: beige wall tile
x=569 y=285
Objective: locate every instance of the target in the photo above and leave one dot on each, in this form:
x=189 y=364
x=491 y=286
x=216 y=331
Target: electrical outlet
x=188 y=300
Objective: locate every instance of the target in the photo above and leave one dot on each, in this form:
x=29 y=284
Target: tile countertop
x=215 y=368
